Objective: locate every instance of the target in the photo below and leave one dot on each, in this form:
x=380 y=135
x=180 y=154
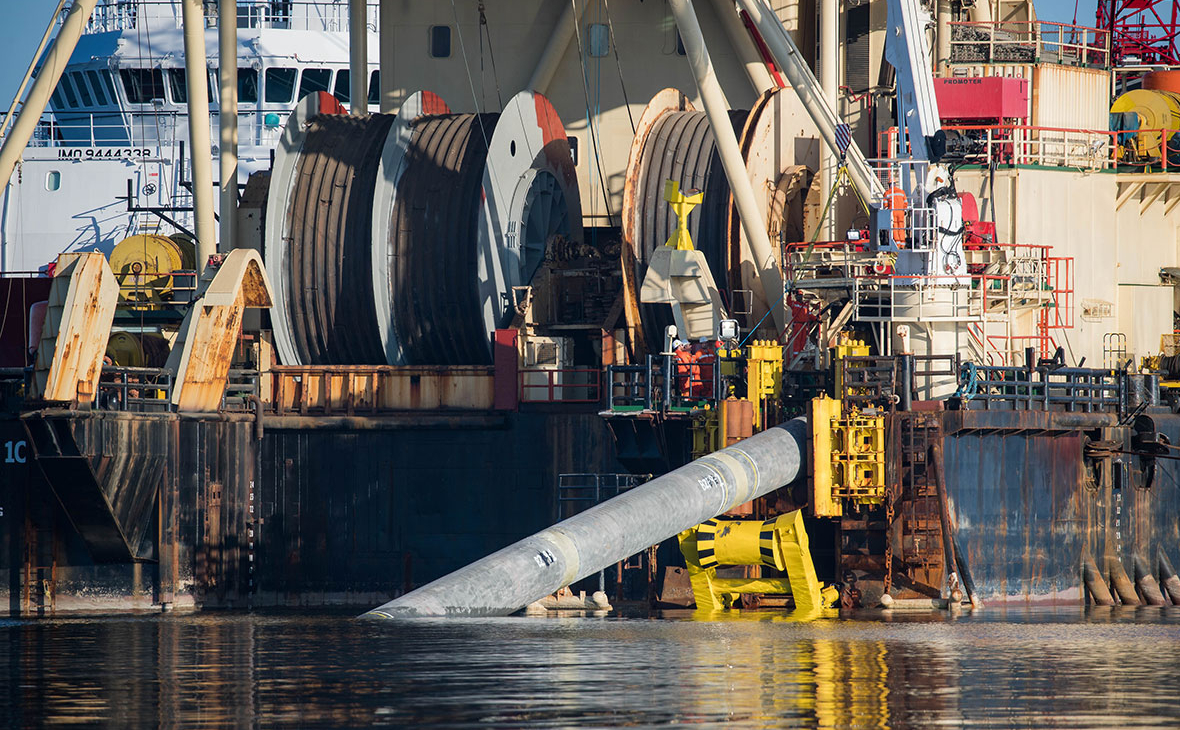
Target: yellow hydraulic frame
x=780 y=543
x=847 y=458
x=764 y=377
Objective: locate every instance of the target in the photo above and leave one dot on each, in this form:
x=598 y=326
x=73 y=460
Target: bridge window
x=314 y=79
x=440 y=41
x=343 y=90
x=178 y=85
x=68 y=88
x=247 y=86
x=53 y=181
x=83 y=90
x=375 y=87
x=109 y=84
x=280 y=85
x=56 y=99
x=143 y=85
x=95 y=84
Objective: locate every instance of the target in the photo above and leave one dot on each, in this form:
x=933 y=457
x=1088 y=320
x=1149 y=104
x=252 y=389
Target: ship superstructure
x=109 y=156
x=564 y=248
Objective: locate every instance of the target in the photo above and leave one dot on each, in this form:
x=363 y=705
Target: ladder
x=915 y=548
x=39 y=570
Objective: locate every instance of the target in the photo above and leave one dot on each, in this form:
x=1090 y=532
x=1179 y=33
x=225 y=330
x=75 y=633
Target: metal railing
x=579 y=492
x=1050 y=388
x=1000 y=277
x=241 y=387
x=867 y=380
x=561 y=385
x=140 y=390
x=137 y=293
x=1089 y=149
x=321 y=15
x=665 y=383
x=82 y=130
x=1007 y=41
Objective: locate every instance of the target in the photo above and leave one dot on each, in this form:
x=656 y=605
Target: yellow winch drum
x=144 y=350
x=145 y=266
x=1157 y=110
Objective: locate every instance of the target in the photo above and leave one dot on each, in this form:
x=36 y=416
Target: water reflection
x=759 y=669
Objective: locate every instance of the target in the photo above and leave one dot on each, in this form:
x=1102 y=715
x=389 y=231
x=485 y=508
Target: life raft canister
x=895 y=201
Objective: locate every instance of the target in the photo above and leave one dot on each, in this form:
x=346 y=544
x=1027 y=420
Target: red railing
x=560 y=385
x=1094 y=149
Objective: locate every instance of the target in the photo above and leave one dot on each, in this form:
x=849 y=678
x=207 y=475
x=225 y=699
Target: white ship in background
x=108 y=160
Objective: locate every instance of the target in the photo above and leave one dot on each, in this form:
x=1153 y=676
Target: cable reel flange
x=530 y=195
x=673 y=141
x=284 y=173
x=389 y=175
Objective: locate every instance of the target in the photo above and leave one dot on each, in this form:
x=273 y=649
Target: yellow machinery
x=145 y=350
x=846 y=346
x=847 y=458
x=764 y=378
x=780 y=543
x=146 y=266
x=1157 y=110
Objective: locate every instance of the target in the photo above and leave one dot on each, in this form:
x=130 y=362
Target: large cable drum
x=674 y=141
x=403 y=240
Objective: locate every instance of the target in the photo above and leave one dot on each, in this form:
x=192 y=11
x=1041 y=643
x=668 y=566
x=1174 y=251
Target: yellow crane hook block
x=682 y=204
x=780 y=543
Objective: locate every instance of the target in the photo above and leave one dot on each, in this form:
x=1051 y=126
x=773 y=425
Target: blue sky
x=25 y=20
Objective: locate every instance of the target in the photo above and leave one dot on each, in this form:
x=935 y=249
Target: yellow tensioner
x=682 y=204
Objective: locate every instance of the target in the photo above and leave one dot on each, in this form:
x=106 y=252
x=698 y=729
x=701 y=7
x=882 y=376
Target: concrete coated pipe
x=535 y=567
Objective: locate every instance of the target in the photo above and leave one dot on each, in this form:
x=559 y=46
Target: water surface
x=1047 y=668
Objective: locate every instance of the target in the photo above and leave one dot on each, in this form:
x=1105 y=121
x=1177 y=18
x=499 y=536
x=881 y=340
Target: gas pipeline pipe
x=584 y=544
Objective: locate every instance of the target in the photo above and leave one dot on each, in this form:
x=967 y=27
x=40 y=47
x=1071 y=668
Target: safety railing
x=136 y=135
x=140 y=390
x=1054 y=388
x=632 y=388
x=670 y=382
x=560 y=385
x=880 y=381
x=999 y=278
x=579 y=492
x=317 y=15
x=142 y=290
x=1007 y=41
x=240 y=390
x=80 y=129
